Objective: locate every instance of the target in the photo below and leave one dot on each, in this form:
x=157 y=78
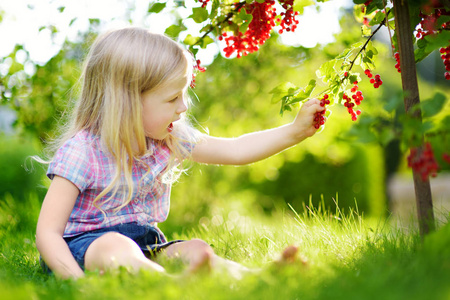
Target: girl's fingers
x=311 y=102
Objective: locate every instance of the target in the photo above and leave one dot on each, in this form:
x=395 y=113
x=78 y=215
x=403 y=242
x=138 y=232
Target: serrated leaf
x=282 y=90
x=191 y=40
x=174 y=30
x=302 y=94
x=437 y=41
x=371 y=48
x=354 y=77
x=325 y=70
x=359 y=13
x=378 y=18
x=442 y=19
x=156 y=7
x=345 y=54
x=429 y=44
x=374 y=5
x=243 y=19
x=366 y=31
x=199 y=14
x=205 y=41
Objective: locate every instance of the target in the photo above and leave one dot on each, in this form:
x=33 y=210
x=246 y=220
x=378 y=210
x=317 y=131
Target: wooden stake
x=411 y=98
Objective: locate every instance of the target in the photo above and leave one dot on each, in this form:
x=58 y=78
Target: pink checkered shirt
x=84 y=162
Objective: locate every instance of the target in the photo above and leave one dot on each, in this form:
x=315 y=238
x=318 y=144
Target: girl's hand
x=303 y=125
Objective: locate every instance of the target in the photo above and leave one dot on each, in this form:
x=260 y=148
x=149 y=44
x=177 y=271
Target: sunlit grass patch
x=347 y=255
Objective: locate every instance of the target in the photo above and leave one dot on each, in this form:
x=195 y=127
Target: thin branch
x=227 y=18
x=366 y=43
x=387 y=25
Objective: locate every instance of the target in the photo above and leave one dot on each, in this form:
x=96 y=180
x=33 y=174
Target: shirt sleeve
x=72 y=162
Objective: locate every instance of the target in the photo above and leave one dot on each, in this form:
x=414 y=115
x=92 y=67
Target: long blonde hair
x=121 y=65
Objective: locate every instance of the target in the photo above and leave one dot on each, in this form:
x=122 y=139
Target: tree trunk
x=411 y=97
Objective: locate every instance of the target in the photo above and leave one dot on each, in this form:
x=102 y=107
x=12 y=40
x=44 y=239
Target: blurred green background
x=348 y=163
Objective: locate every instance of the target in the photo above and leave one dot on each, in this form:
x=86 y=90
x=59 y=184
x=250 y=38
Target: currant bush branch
x=383 y=23
x=227 y=18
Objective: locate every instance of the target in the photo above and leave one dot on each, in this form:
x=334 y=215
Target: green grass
x=348 y=258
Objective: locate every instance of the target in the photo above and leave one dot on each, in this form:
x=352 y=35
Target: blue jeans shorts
x=149 y=239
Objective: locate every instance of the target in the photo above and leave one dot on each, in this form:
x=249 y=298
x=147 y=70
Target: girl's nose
x=182 y=107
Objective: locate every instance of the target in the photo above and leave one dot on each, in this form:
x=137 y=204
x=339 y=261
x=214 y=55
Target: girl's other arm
x=55 y=212
x=256 y=146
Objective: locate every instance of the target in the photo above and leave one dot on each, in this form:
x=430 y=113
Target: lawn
x=348 y=257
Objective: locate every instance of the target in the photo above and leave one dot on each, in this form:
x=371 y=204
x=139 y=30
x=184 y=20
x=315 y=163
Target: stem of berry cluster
x=367 y=42
x=422 y=187
x=226 y=19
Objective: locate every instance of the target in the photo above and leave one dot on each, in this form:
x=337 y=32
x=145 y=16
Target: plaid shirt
x=84 y=162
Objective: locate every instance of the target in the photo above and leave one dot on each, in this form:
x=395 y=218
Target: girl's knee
x=109 y=250
x=201 y=246
x=113 y=242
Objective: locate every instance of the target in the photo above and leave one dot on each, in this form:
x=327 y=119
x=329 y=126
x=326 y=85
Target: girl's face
x=163 y=106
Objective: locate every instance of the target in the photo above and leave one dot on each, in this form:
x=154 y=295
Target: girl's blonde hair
x=121 y=65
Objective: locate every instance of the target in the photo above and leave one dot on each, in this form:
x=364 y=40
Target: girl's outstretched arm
x=256 y=146
x=55 y=212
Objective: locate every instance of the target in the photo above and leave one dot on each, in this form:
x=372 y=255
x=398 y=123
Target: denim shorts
x=149 y=239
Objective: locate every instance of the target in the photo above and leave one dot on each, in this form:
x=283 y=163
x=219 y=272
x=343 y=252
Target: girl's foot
x=202 y=263
x=290 y=256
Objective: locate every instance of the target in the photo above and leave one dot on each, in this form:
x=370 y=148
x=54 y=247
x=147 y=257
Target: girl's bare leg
x=112 y=250
x=200 y=256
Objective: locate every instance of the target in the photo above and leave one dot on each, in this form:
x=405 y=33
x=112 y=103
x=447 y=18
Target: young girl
x=112 y=168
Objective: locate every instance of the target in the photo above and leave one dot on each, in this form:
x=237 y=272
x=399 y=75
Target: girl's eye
x=173 y=100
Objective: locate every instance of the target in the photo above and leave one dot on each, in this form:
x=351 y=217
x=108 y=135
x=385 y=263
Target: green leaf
x=243 y=19
x=345 y=54
x=285 y=88
x=15 y=67
x=370 y=47
x=378 y=18
x=304 y=93
x=156 y=7
x=354 y=77
x=433 y=106
x=386 y=135
x=374 y=5
x=437 y=41
x=199 y=14
x=174 y=30
x=325 y=70
x=205 y=41
x=72 y=21
x=393 y=103
x=191 y=40
x=431 y=43
x=366 y=31
x=359 y=13
x=442 y=19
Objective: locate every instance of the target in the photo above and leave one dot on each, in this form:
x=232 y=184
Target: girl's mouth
x=170 y=127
